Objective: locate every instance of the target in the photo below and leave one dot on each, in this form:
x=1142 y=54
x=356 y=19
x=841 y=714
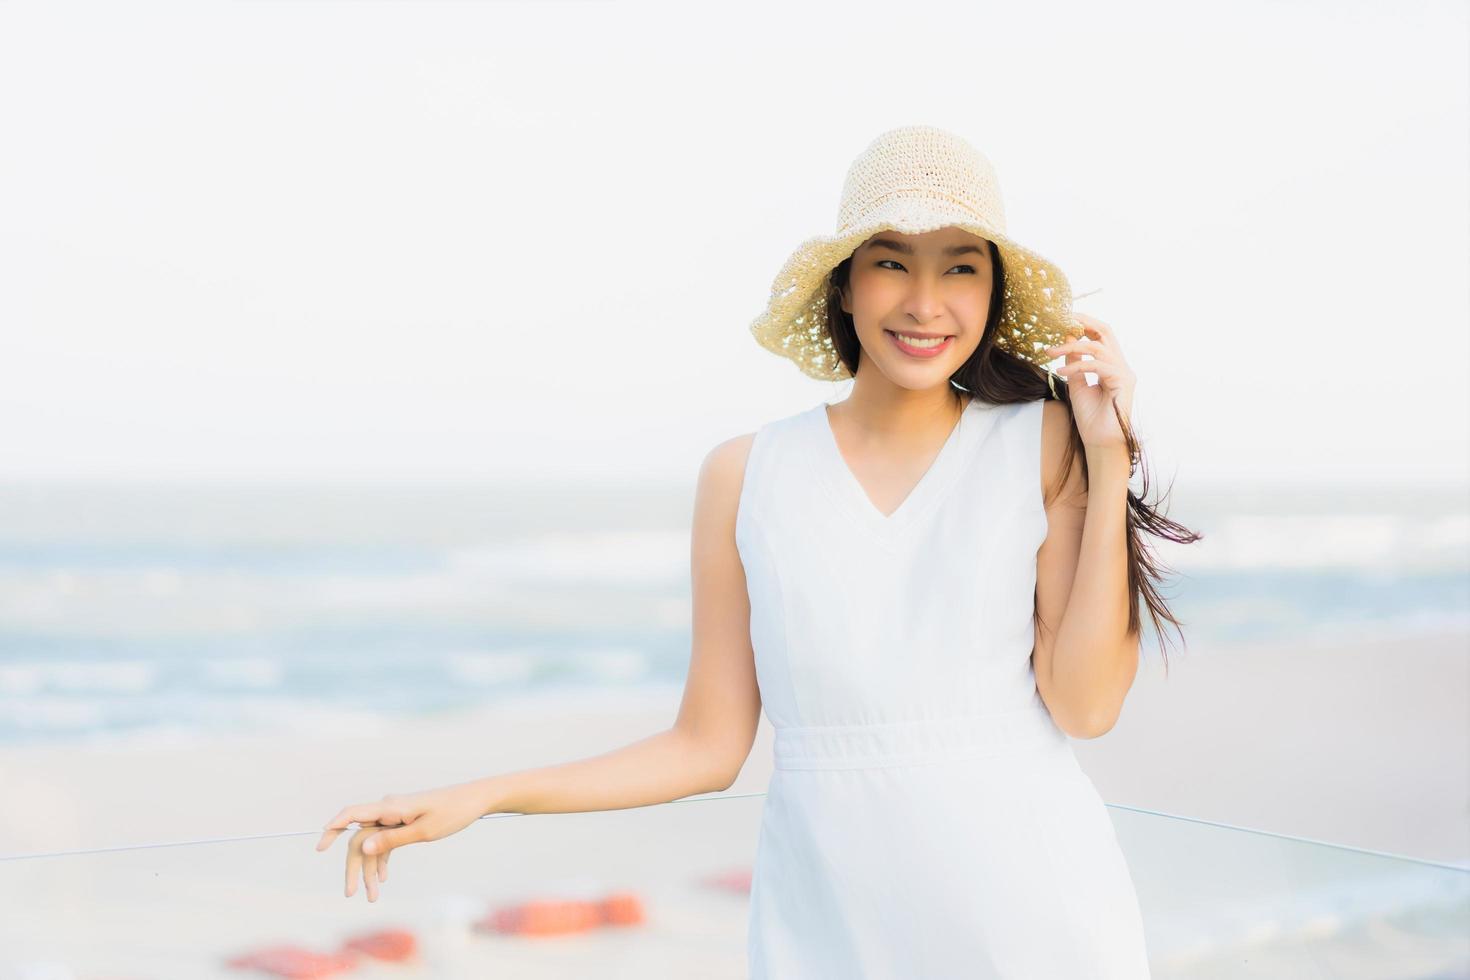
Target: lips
x=919 y=334
x=921 y=352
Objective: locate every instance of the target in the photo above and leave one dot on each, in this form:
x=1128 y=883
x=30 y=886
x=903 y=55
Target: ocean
x=136 y=611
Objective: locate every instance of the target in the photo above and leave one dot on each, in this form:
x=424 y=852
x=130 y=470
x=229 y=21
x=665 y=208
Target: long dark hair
x=999 y=377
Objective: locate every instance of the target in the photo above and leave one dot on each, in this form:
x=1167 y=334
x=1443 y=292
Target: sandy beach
x=1366 y=745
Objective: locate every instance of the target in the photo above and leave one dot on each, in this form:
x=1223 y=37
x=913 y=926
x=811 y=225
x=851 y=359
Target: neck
x=902 y=414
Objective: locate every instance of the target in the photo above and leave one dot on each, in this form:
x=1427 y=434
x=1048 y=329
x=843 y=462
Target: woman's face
x=918 y=302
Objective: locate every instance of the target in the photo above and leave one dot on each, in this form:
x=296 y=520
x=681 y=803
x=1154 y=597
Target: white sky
x=428 y=239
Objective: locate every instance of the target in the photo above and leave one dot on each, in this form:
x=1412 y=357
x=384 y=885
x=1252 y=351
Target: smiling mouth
x=919 y=337
x=919 y=346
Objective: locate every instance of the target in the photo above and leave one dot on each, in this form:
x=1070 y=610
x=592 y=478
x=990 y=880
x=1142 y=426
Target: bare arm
x=662 y=767
x=701 y=752
x=1084 y=662
x=705 y=748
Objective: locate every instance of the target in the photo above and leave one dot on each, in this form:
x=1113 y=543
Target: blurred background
x=359 y=359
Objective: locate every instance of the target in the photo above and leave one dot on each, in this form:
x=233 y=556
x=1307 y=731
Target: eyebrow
x=905 y=249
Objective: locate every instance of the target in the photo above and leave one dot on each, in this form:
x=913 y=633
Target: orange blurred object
x=544 y=917
x=393 y=945
x=622 y=909
x=294 y=962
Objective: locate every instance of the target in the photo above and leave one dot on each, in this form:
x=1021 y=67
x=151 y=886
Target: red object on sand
x=393 y=945
x=294 y=962
x=622 y=909
x=544 y=917
x=737 y=880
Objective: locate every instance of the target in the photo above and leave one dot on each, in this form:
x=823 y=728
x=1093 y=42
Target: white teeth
x=920 y=342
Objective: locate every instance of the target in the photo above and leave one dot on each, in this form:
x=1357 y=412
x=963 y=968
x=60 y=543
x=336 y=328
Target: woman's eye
x=881 y=262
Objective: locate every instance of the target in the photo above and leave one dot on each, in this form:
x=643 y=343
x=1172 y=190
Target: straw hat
x=913 y=179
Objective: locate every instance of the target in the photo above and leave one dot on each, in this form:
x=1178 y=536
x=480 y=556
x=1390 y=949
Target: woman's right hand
x=400 y=819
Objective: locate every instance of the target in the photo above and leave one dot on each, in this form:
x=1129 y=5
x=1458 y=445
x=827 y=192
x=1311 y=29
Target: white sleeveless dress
x=926 y=819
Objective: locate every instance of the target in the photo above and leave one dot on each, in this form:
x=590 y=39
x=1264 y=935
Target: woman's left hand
x=396 y=820
x=1092 y=404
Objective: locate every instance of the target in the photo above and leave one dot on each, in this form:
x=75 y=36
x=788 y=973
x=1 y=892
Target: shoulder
x=1061 y=474
x=725 y=466
x=722 y=472
x=726 y=461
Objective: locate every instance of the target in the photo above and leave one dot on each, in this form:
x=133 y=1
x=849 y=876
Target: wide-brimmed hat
x=914 y=179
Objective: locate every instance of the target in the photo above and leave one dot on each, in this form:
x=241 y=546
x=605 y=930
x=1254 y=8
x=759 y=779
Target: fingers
x=354 y=861
x=1104 y=331
x=325 y=841
x=377 y=814
x=371 y=841
x=362 y=813
x=370 y=876
x=1079 y=347
x=375 y=846
x=1096 y=366
x=383 y=841
x=1074 y=361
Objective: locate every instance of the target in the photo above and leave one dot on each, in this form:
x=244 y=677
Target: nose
x=922 y=302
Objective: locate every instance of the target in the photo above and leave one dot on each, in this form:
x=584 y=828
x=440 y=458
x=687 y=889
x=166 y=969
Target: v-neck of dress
x=848 y=492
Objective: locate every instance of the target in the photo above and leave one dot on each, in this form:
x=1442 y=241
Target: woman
x=923 y=592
